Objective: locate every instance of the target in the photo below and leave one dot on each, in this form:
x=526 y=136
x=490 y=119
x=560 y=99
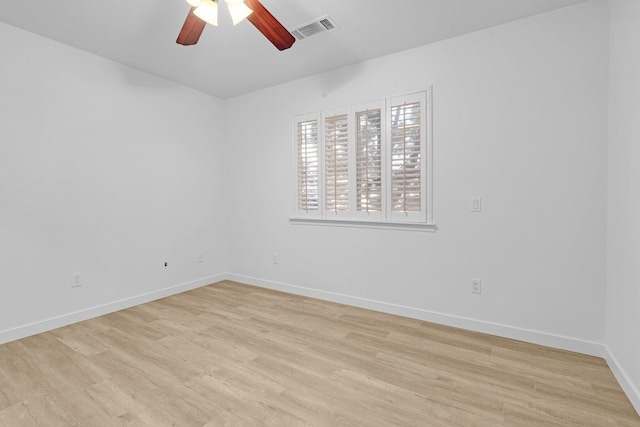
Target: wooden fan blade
x=268 y=25
x=191 y=30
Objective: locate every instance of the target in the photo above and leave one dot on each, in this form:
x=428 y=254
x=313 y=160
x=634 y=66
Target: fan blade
x=191 y=30
x=268 y=25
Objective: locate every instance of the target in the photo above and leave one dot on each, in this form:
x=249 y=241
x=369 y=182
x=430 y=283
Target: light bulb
x=238 y=10
x=207 y=10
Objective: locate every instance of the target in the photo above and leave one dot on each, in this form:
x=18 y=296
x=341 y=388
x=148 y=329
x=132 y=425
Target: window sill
x=408 y=226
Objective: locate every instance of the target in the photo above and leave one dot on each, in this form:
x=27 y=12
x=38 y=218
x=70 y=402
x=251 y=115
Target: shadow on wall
x=139 y=79
x=332 y=81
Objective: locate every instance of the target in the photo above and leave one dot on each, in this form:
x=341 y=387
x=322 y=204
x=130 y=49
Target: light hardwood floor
x=235 y=355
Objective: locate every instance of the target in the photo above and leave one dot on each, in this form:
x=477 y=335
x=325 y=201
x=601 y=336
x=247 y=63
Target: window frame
x=386 y=218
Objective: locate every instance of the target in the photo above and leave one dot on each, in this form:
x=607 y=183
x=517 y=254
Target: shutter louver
x=406 y=157
x=308 y=165
x=336 y=168
x=369 y=161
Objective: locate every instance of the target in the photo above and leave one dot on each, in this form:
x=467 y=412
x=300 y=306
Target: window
x=368 y=160
x=366 y=165
x=336 y=164
x=308 y=165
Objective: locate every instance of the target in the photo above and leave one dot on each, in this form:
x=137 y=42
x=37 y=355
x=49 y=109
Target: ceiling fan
x=206 y=11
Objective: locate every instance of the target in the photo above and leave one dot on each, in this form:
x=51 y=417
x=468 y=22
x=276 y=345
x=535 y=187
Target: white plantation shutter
x=336 y=163
x=367 y=165
x=406 y=151
x=369 y=160
x=308 y=165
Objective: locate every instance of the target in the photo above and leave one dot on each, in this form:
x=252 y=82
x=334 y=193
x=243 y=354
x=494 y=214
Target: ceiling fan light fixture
x=193 y=3
x=255 y=13
x=238 y=10
x=207 y=10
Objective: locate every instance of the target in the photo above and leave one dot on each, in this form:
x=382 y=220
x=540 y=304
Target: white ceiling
x=230 y=61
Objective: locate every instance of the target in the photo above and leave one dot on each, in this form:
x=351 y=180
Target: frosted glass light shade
x=194 y=3
x=238 y=10
x=207 y=10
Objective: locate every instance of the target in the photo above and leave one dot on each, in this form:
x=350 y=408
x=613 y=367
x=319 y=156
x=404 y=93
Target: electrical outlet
x=476 y=286
x=476 y=204
x=76 y=280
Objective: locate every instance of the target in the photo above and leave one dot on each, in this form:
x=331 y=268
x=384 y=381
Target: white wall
x=520 y=120
x=110 y=171
x=623 y=243
x=104 y=170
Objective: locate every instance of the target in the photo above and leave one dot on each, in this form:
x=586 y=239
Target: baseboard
x=506 y=331
x=550 y=340
x=89 y=313
x=631 y=390
x=536 y=337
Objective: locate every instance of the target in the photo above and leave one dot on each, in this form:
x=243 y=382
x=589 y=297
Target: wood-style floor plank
x=230 y=354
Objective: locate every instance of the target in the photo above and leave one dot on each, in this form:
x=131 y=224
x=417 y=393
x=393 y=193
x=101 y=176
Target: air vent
x=318 y=26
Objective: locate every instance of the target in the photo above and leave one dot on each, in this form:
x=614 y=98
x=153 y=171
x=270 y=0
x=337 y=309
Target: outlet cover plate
x=476 y=286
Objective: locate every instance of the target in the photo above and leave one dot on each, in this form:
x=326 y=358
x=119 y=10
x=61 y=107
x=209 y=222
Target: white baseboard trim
x=630 y=389
x=89 y=313
x=536 y=337
x=550 y=340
